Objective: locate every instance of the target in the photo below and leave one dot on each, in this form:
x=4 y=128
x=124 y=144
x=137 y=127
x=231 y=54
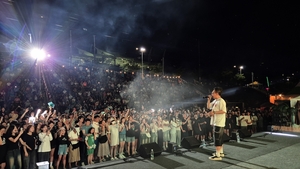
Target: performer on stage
x=218 y=114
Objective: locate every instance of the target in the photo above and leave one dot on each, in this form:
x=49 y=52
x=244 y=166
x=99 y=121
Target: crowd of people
x=78 y=116
x=86 y=137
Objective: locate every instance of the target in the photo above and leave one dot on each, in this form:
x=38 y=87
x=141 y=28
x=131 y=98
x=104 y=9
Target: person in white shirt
x=95 y=124
x=254 y=119
x=114 y=139
x=122 y=137
x=45 y=147
x=243 y=121
x=218 y=113
x=249 y=122
x=32 y=119
x=74 y=153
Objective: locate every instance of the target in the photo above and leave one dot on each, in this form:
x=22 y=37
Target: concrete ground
x=266 y=150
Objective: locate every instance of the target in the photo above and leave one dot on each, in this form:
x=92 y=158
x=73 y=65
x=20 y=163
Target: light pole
x=241 y=67
x=142 y=50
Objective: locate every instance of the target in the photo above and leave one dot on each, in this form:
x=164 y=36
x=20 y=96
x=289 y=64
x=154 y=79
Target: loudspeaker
x=226 y=138
x=145 y=150
x=190 y=142
x=244 y=133
x=172 y=147
x=233 y=136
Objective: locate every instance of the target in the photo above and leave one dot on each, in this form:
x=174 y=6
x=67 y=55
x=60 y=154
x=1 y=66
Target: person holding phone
x=13 y=158
x=29 y=153
x=45 y=147
x=63 y=143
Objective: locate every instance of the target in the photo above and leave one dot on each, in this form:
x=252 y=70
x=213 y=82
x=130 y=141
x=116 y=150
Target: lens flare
x=38 y=54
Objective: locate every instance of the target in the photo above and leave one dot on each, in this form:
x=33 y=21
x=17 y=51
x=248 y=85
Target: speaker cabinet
x=226 y=138
x=172 y=147
x=244 y=133
x=145 y=150
x=233 y=136
x=190 y=142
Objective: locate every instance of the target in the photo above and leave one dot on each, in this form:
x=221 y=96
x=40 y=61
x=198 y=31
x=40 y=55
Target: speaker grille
x=145 y=150
x=190 y=142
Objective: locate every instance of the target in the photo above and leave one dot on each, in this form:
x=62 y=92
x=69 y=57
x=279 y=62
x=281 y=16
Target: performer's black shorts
x=218 y=133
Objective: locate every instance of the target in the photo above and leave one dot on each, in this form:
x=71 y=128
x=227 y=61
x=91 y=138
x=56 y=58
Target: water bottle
x=238 y=137
x=152 y=155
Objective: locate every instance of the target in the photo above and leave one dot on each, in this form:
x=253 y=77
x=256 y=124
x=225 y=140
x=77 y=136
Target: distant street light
x=241 y=67
x=142 y=50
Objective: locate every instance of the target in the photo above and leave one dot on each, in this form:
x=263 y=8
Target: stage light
x=143 y=49
x=38 y=54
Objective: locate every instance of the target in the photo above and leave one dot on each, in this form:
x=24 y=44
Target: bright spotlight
x=38 y=54
x=143 y=49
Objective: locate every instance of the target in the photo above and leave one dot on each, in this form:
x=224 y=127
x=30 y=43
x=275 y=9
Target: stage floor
x=266 y=150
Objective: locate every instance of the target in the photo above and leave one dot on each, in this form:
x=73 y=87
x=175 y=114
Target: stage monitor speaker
x=145 y=150
x=172 y=147
x=190 y=142
x=233 y=136
x=244 y=133
x=226 y=138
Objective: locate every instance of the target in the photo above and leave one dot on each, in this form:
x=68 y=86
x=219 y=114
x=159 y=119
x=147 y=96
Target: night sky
x=262 y=36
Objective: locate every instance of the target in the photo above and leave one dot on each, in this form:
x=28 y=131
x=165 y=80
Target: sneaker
x=215 y=158
x=82 y=164
x=112 y=159
x=221 y=154
x=116 y=158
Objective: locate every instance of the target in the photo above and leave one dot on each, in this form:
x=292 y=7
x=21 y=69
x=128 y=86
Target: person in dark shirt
x=202 y=124
x=196 y=128
x=234 y=121
x=29 y=153
x=63 y=144
x=130 y=136
x=13 y=157
x=3 y=147
x=184 y=130
x=137 y=132
x=3 y=112
x=208 y=134
x=227 y=124
x=53 y=131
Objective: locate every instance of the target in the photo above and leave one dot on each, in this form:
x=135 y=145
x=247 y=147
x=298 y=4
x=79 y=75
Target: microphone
x=205 y=97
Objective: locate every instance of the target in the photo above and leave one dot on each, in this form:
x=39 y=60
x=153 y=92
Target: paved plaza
x=266 y=150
